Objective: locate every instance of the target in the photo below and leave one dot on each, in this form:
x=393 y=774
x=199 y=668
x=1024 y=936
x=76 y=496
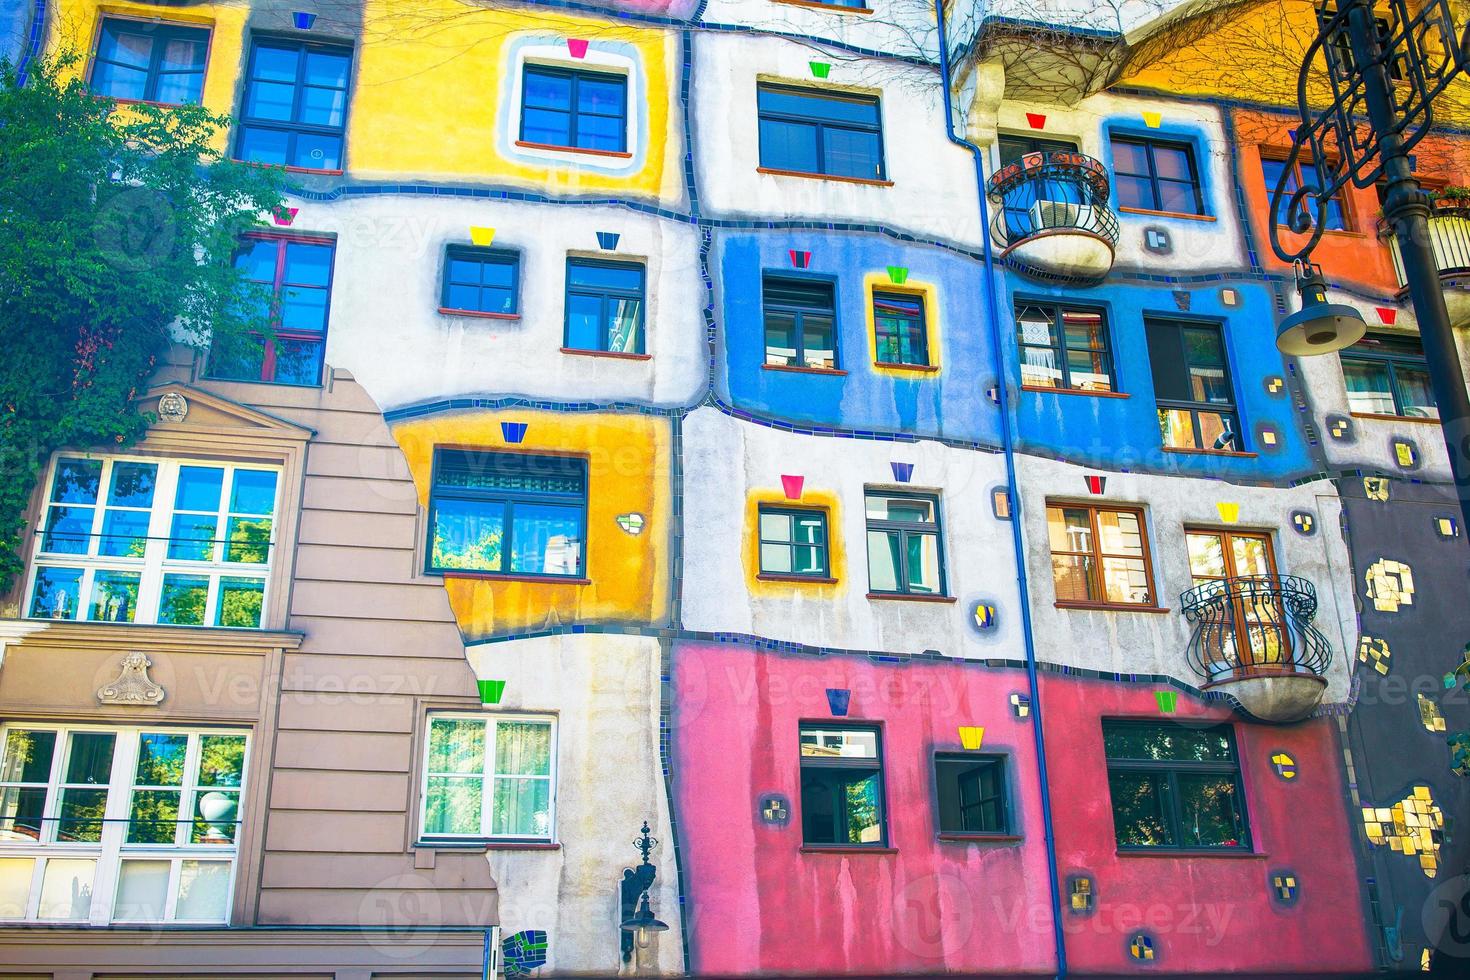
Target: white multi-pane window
x=490 y=776
x=119 y=825
x=180 y=542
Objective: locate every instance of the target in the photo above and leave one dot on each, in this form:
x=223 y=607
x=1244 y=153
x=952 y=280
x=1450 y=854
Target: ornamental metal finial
x=645 y=843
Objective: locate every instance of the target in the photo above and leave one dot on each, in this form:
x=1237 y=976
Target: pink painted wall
x=757 y=904
x=1207 y=914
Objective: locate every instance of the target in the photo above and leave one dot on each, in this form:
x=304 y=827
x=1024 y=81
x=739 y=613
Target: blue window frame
x=149 y=62
x=604 y=306
x=508 y=513
x=1192 y=385
x=574 y=109
x=810 y=132
x=297 y=272
x=800 y=322
x=295 y=107
x=1154 y=175
x=480 y=280
x=1335 y=216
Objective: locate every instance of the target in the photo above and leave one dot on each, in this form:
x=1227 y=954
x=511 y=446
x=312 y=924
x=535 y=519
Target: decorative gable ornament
x=172 y=407
x=132 y=686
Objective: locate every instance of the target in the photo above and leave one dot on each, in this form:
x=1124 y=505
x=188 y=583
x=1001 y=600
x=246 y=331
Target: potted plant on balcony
x=1454 y=197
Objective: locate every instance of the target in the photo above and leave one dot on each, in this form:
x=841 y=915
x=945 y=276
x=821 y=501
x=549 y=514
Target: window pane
x=546 y=126
x=215 y=818
x=521 y=806
x=883 y=561
x=180 y=88
x=1126 y=580
x=191 y=537
x=27 y=756
x=788 y=146
x=456 y=745
x=124 y=533
x=15 y=886
x=154 y=816
x=923 y=562
x=546 y=539
x=125 y=46
x=776 y=527
x=275 y=63
x=913 y=510
x=204 y=891
x=76 y=481
x=114 y=597
x=1129 y=158
x=66 y=889
x=240 y=602
x=80 y=816
x=119 y=82
x=142 y=891
x=776 y=558
x=1167 y=742
x=468 y=534
x=584 y=322
x=1134 y=192
x=1089 y=370
x=90 y=761
x=523 y=748
x=850 y=153
x=298 y=362
x=1368 y=387
x=1172 y=162
x=1069 y=528
x=601 y=133
x=834 y=742
x=22 y=813
x=547 y=90
x=1138 y=814
x=1176 y=428
x=323 y=106
x=780 y=338
x=161 y=759
x=623 y=333
x=58 y=593
x=317 y=152
x=1120 y=533
x=1073 y=576
x=841 y=807
x=254 y=492
x=452 y=805
x=1208 y=811
x=1206 y=555
x=605 y=275
x=818 y=341
x=199 y=488
x=221 y=760
x=183 y=600
x=183 y=52
x=1179 y=198
x=269 y=100
x=68 y=530
x=1416 y=398
x=266 y=146
x=247 y=540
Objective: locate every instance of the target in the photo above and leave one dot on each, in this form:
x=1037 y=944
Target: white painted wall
x=724 y=458
x=604 y=693
x=386 y=329
x=895 y=27
x=1155 y=643
x=932 y=194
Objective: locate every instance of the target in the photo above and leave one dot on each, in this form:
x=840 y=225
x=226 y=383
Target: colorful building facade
x=746 y=489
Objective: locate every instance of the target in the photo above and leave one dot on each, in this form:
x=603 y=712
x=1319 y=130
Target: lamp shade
x=1319 y=327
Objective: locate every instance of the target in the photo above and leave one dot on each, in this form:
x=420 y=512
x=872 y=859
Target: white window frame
x=112 y=850
x=488 y=776
x=155 y=563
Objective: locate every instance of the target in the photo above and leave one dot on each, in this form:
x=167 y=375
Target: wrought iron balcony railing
x=1255 y=626
x=1054 y=194
x=1449 y=236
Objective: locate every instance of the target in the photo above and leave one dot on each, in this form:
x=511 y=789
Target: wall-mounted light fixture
x=638 y=922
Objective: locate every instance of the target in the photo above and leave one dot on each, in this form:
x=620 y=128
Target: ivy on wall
x=118 y=226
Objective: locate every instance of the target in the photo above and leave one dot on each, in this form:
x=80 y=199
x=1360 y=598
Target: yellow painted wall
x=628 y=472
x=811 y=499
x=431 y=97
x=76 y=23
x=880 y=282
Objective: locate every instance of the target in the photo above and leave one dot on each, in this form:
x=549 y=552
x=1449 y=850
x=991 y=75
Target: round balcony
x=1254 y=640
x=1051 y=217
x=1449 y=237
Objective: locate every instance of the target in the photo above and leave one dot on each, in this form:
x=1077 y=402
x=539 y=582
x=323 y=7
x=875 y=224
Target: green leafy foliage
x=117 y=234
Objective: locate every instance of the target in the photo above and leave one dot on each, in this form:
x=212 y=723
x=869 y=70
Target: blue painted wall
x=951 y=403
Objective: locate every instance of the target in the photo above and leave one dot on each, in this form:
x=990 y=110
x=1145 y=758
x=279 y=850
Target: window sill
x=1417 y=420
x=615 y=154
x=911 y=597
x=796 y=579
x=915 y=368
x=1167 y=214
x=830 y=8
x=963 y=838
x=1195 y=852
x=71 y=633
x=449 y=311
x=1109 y=607
x=484 y=844
x=798 y=369
x=847 y=849
x=614 y=354
x=1075 y=391
x=174 y=105
x=512 y=577
x=289 y=169
x=1210 y=452
x=869 y=181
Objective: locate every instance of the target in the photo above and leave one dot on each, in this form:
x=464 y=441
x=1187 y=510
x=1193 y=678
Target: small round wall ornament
x=173 y=407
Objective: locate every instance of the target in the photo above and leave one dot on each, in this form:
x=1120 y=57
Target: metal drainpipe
x=1017 y=538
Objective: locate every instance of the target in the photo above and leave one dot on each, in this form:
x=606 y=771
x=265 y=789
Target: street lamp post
x=1390 y=76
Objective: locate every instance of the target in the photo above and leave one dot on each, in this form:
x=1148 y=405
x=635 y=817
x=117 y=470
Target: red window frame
x=268 y=360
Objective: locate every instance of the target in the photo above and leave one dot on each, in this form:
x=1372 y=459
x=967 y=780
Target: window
x=604 y=306
x=1192 y=385
x=972 y=794
x=905 y=555
x=490 y=776
x=1388 y=376
x=150 y=62
x=480 y=280
x=800 y=322
x=1174 y=786
x=1099 y=556
x=1013 y=147
x=810 y=132
x=1335 y=218
x=1251 y=609
x=295 y=109
x=508 y=513
x=298 y=275
x=793 y=542
x=1156 y=176
x=119 y=825
x=842 y=786
x=1020 y=200
x=901 y=336
x=574 y=109
x=154 y=541
x=1064 y=346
